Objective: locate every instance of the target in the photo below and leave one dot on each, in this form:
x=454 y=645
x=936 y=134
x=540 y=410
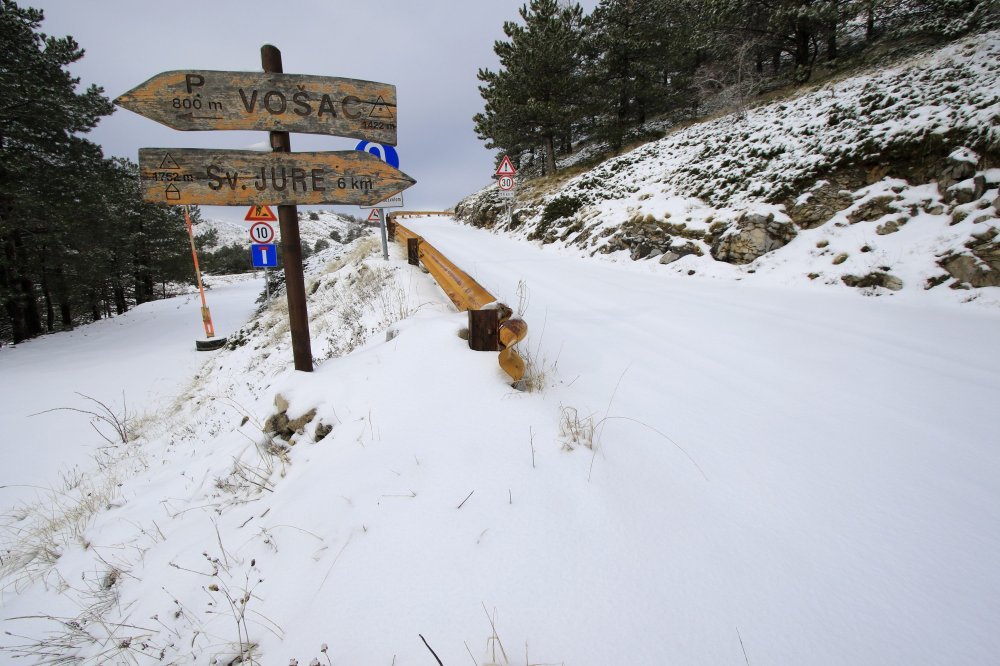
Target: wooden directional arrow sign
x=210 y=100
x=182 y=176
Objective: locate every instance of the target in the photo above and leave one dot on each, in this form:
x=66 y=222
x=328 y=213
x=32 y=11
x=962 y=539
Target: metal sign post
x=388 y=155
x=262 y=233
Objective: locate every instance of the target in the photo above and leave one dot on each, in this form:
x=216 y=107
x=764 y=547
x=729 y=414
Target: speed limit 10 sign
x=261 y=232
x=506 y=182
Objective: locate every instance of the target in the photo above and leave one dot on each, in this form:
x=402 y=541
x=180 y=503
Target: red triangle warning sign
x=260 y=214
x=374 y=216
x=506 y=168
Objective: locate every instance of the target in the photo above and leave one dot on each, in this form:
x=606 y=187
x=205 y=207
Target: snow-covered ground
x=714 y=472
x=724 y=463
x=138 y=361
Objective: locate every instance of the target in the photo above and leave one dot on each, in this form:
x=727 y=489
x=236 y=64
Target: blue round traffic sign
x=387 y=154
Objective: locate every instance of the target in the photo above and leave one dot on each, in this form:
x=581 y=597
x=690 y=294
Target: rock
x=872 y=209
x=873 y=279
x=322 y=430
x=889 y=227
x=840 y=258
x=985 y=236
x=822 y=204
x=996 y=205
x=966 y=191
x=280 y=403
x=675 y=252
x=823 y=243
x=968 y=270
x=298 y=425
x=959 y=165
x=276 y=424
x=752 y=236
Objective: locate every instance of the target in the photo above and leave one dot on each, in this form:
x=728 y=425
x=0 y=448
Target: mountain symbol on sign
x=169 y=163
x=506 y=168
x=380 y=109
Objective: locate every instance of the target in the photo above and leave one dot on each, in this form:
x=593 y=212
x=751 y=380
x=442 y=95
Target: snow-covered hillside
x=881 y=181
x=327 y=226
x=758 y=468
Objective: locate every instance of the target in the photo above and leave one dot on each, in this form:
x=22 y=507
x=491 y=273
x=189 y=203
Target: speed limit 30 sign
x=506 y=182
x=261 y=233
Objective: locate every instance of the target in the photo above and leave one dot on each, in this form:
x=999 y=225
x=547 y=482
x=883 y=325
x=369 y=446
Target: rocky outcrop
x=958 y=166
x=819 y=206
x=873 y=279
x=280 y=425
x=753 y=235
x=873 y=209
x=675 y=252
x=980 y=268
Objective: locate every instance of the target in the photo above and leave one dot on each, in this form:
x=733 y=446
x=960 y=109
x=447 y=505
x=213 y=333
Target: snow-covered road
x=840 y=503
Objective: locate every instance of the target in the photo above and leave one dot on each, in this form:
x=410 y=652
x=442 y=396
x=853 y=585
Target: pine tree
x=41 y=115
x=534 y=99
x=639 y=60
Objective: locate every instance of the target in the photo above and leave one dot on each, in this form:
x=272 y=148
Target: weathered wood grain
x=213 y=100
x=181 y=176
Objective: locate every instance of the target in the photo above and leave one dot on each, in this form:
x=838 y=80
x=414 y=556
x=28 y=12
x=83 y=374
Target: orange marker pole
x=206 y=315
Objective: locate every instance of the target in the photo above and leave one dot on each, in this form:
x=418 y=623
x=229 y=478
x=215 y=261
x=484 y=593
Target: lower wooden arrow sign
x=182 y=176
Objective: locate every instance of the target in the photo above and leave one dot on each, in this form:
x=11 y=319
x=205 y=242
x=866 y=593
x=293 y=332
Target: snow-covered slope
x=881 y=181
x=759 y=468
x=713 y=472
x=310 y=230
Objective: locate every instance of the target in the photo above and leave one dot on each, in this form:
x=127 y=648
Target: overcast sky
x=429 y=49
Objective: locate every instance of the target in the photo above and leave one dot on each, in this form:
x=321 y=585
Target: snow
x=810 y=475
x=140 y=359
x=723 y=464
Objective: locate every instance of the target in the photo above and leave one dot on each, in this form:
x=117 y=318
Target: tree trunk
x=50 y=311
x=831 y=34
x=550 y=155
x=95 y=305
x=870 y=21
x=32 y=317
x=62 y=295
x=121 y=305
x=802 y=35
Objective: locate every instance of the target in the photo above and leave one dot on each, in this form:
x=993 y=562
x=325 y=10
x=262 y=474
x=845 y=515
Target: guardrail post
x=390 y=227
x=413 y=251
x=484 y=330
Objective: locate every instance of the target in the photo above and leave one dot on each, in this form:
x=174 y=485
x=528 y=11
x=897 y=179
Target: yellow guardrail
x=464 y=291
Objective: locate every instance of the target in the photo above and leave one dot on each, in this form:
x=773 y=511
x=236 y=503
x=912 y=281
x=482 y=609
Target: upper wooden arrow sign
x=180 y=176
x=210 y=100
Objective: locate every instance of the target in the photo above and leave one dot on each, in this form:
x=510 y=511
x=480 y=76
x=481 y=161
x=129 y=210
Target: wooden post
x=291 y=246
x=413 y=251
x=484 y=330
x=390 y=227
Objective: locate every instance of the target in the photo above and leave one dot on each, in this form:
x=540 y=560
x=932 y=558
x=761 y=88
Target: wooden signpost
x=270 y=101
x=279 y=103
x=239 y=177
